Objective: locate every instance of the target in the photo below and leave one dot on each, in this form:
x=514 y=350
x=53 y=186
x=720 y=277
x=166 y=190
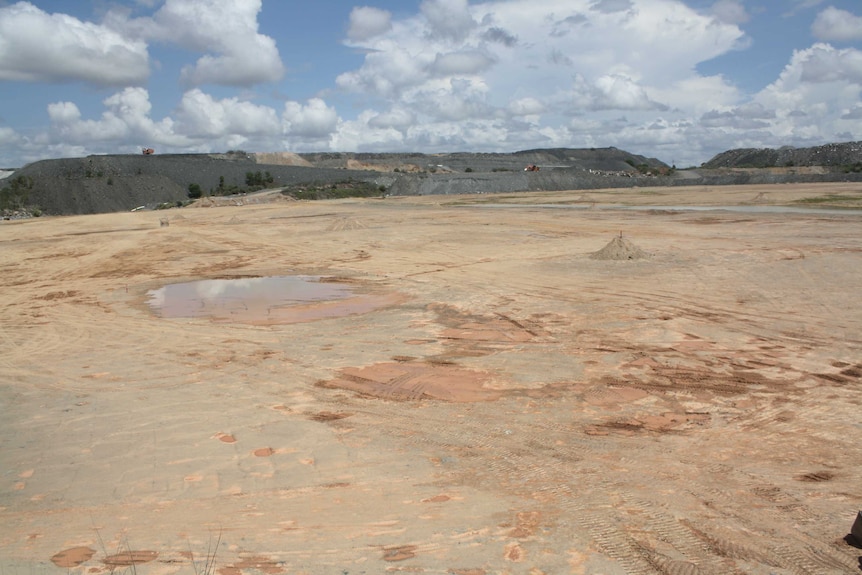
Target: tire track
x=697 y=306
x=526 y=471
x=671 y=531
x=808 y=555
x=615 y=543
x=597 y=503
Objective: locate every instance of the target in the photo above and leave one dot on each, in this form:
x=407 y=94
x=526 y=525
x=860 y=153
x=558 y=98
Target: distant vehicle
x=148 y=151
x=532 y=168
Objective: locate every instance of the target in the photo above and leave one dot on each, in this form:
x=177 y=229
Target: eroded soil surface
x=492 y=400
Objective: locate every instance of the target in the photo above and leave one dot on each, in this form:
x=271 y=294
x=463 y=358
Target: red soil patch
x=437 y=499
x=330 y=416
x=526 y=525
x=491 y=330
x=414 y=381
x=514 y=553
x=400 y=553
x=129 y=558
x=72 y=557
x=606 y=396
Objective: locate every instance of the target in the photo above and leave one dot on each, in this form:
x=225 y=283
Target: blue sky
x=680 y=80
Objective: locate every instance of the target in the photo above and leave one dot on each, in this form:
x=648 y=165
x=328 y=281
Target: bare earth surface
x=489 y=399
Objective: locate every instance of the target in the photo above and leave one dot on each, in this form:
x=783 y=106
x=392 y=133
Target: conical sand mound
x=620 y=248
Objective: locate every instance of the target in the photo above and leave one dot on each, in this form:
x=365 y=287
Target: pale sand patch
x=694 y=410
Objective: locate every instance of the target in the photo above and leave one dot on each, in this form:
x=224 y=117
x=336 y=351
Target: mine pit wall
x=562 y=179
x=112 y=183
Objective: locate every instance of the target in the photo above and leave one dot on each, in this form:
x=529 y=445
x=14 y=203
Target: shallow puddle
x=263 y=300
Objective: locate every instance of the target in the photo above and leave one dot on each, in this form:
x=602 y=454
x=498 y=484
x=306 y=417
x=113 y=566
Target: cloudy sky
x=680 y=80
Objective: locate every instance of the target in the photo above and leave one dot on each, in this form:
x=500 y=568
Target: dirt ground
x=489 y=400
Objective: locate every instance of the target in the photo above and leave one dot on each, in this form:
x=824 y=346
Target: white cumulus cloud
x=609 y=6
x=822 y=63
x=812 y=94
x=202 y=116
x=620 y=92
x=387 y=73
x=837 y=25
x=730 y=11
x=510 y=73
x=36 y=46
x=461 y=63
x=125 y=123
x=8 y=137
x=484 y=75
x=594 y=73
x=396 y=118
x=449 y=19
x=367 y=22
x=235 y=53
x=526 y=107
x=313 y=121
x=372 y=132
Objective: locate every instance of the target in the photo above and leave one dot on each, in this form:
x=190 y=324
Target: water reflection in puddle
x=263 y=300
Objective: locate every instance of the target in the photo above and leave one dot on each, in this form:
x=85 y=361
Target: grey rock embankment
x=568 y=179
x=604 y=159
x=110 y=183
x=846 y=154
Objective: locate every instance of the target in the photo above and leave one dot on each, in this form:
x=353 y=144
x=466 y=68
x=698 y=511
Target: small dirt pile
x=619 y=248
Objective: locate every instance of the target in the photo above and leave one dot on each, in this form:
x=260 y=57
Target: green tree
x=195 y=191
x=15 y=195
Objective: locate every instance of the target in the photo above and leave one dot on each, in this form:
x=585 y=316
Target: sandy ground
x=490 y=400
